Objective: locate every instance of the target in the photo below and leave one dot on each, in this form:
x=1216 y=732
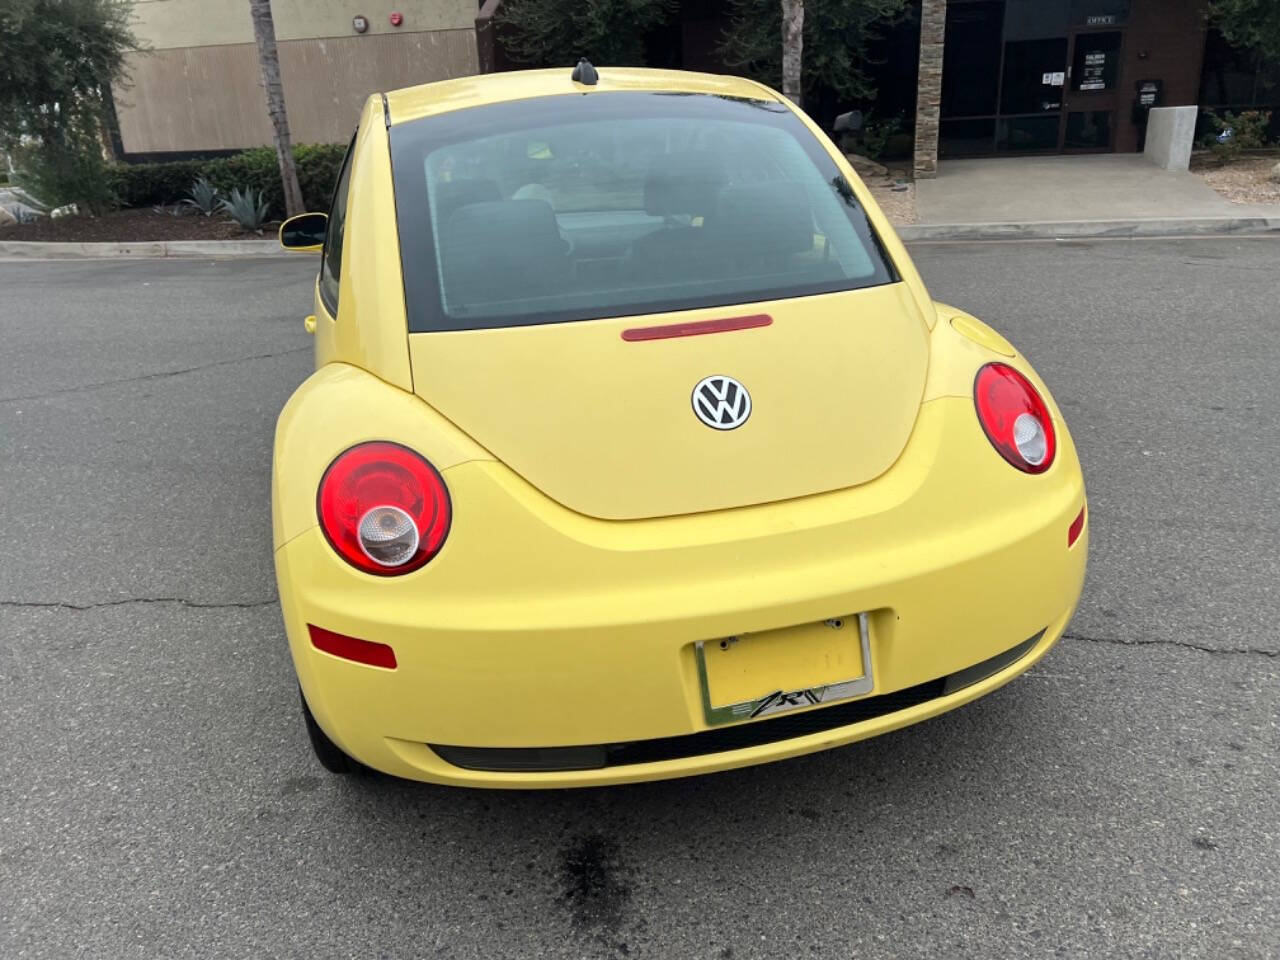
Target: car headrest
x=765 y=218
x=505 y=224
x=500 y=249
x=452 y=194
x=683 y=183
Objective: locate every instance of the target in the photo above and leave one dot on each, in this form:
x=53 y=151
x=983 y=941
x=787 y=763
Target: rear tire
x=329 y=754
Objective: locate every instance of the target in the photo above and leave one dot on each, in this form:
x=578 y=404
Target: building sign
x=1093 y=13
x=1093 y=76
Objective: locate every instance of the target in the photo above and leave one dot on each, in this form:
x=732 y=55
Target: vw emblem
x=721 y=402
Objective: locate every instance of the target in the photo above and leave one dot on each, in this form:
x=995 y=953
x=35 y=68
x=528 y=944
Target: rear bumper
x=540 y=628
x=740 y=736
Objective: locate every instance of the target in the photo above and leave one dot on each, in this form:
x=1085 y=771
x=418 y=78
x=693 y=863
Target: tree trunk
x=264 y=31
x=792 y=48
x=111 y=142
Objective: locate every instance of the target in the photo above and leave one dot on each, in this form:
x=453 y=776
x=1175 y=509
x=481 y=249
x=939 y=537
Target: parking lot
x=159 y=798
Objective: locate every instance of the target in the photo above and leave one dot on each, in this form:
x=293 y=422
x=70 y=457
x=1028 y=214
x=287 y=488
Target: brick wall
x=1164 y=40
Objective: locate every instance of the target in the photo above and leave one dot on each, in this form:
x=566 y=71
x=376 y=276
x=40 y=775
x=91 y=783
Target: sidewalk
x=1004 y=198
x=1113 y=186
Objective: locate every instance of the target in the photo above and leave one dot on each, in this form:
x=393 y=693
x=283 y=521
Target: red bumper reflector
x=352 y=648
x=697 y=328
x=1076 y=528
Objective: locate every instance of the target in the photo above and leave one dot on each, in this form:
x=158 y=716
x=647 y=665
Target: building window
x=971 y=59
x=1010 y=66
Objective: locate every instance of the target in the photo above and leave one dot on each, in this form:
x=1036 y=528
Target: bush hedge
x=149 y=184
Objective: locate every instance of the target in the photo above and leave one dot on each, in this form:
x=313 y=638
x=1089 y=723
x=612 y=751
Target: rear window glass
x=578 y=207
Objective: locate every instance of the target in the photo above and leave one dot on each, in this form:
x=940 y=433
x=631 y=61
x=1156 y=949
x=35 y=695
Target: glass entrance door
x=1089 y=106
x=1031 y=95
x=1030 y=76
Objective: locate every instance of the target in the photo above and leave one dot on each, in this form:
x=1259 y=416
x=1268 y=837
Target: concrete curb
x=1065 y=229
x=1072 y=229
x=147 y=249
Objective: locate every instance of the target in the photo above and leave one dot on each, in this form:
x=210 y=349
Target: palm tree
x=264 y=31
x=792 y=48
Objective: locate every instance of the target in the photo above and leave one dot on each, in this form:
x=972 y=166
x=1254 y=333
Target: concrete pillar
x=933 y=30
x=1171 y=131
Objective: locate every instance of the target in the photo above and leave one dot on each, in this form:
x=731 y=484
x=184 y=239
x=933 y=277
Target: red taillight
x=1076 y=528
x=352 y=648
x=1015 y=418
x=384 y=508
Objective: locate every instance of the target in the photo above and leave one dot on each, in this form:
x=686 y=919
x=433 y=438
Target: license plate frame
x=782 y=701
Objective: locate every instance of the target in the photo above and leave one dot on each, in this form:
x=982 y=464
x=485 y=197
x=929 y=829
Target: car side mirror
x=304 y=232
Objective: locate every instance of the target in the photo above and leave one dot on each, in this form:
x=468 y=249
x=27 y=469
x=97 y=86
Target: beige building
x=199 y=87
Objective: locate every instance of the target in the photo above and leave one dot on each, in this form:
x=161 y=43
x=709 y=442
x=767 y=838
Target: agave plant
x=246 y=208
x=204 y=197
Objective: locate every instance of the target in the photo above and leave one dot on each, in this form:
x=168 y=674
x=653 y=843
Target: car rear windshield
x=575 y=207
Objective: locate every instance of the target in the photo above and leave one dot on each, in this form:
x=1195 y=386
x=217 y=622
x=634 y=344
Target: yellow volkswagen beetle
x=636 y=447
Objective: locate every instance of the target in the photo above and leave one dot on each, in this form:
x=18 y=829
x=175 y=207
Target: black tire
x=327 y=752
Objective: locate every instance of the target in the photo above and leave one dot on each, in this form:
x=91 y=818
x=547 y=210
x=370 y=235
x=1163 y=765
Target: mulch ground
x=896 y=196
x=132 y=226
x=1246 y=180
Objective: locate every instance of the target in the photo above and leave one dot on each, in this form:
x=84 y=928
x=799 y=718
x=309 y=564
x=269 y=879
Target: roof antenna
x=585 y=73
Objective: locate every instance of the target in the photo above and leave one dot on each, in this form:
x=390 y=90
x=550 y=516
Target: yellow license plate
x=758 y=674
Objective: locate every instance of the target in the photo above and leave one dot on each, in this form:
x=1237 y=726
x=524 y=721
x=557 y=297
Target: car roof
x=413 y=103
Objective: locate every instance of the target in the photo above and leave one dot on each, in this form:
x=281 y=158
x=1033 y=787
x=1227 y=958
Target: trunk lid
x=606 y=425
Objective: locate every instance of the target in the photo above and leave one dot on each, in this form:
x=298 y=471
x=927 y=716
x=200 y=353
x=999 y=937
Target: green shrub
x=875 y=135
x=150 y=184
x=318 y=167
x=1248 y=132
x=66 y=171
x=204 y=197
x=901 y=144
x=254 y=169
x=547 y=33
x=246 y=208
x=1251 y=128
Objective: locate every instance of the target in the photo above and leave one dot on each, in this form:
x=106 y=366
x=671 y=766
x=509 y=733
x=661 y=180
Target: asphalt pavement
x=158 y=797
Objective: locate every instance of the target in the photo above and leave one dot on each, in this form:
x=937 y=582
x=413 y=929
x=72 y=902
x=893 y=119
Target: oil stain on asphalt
x=593 y=884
